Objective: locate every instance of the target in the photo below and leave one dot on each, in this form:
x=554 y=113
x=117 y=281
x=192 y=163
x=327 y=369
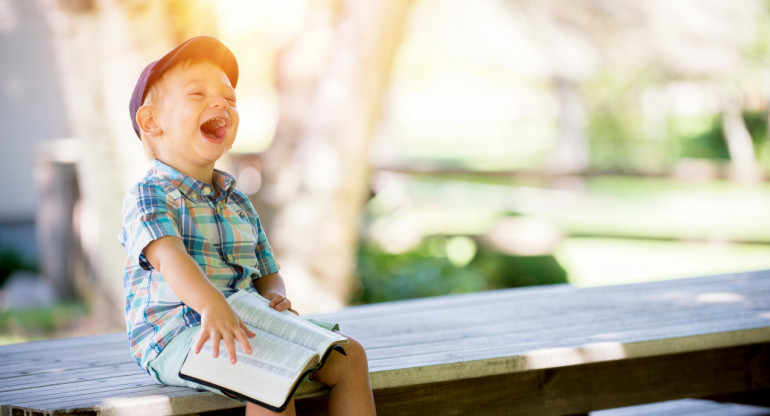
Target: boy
x=192 y=239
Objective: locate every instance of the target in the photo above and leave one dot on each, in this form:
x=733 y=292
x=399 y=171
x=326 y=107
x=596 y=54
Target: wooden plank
x=96 y=343
x=514 y=344
x=401 y=373
x=439 y=340
x=622 y=332
x=554 y=296
x=172 y=405
x=88 y=387
x=92 y=399
x=164 y=401
x=62 y=344
x=439 y=329
x=642 y=315
x=62 y=377
x=151 y=399
x=547 y=318
x=577 y=389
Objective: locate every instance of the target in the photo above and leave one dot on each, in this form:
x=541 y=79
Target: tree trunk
x=102 y=47
x=744 y=165
x=316 y=174
x=572 y=152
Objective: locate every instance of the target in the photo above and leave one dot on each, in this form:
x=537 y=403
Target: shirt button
x=194 y=196
x=206 y=190
x=230 y=258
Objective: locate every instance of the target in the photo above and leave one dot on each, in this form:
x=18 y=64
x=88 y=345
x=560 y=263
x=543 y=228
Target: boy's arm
x=274 y=290
x=186 y=279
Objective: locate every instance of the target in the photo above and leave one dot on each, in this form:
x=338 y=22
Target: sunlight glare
x=460 y=250
x=604 y=351
x=279 y=18
x=559 y=357
x=250 y=180
x=720 y=297
x=553 y=357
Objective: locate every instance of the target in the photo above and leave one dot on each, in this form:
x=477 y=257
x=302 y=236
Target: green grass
x=609 y=261
x=19 y=325
x=616 y=229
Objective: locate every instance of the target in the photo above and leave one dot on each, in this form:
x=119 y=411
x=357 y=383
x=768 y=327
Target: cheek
x=234 y=121
x=179 y=120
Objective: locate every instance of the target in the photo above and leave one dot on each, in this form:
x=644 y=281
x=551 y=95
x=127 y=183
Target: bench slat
x=45 y=379
x=677 y=323
x=449 y=339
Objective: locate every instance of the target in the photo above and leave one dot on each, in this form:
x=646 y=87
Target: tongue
x=218 y=133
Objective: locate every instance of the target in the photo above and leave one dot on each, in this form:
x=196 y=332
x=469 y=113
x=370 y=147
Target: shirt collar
x=191 y=187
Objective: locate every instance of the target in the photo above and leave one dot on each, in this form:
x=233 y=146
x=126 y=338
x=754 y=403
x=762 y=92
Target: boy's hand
x=273 y=289
x=218 y=320
x=220 y=323
x=279 y=302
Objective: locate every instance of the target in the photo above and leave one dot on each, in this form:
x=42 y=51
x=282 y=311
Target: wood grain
x=541 y=350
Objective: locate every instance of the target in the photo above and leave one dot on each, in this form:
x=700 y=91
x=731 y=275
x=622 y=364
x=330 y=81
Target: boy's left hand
x=273 y=289
x=280 y=302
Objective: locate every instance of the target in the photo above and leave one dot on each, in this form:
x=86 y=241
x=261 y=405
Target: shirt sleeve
x=148 y=214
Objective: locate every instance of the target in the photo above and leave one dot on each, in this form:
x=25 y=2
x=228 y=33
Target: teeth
x=214 y=124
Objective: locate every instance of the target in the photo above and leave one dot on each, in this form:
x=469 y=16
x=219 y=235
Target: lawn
x=611 y=229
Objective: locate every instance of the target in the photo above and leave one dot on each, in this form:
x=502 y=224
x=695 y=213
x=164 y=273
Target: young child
x=192 y=238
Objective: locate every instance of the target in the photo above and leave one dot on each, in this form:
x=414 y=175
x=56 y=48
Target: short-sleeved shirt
x=221 y=231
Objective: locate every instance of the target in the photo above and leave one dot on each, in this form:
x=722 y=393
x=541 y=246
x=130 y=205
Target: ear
x=145 y=119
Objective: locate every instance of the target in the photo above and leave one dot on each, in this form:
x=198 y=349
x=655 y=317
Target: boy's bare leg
x=348 y=378
x=256 y=410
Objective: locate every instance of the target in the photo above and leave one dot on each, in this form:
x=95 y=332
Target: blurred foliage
x=426 y=271
x=699 y=136
x=41 y=322
x=620 y=138
x=616 y=229
x=703 y=137
x=631 y=129
x=618 y=141
x=11 y=260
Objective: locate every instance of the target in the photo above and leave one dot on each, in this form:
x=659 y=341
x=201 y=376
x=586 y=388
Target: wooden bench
x=541 y=350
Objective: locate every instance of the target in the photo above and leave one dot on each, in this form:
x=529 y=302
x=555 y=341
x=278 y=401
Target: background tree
x=102 y=46
x=331 y=82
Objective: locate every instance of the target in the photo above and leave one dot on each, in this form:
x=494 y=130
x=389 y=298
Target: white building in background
x=31 y=113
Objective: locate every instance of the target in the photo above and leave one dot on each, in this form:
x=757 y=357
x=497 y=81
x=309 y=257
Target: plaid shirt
x=223 y=235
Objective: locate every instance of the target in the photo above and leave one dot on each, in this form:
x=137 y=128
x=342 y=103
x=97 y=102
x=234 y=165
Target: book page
x=256 y=311
x=267 y=374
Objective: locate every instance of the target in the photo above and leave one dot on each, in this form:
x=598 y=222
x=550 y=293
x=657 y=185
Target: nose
x=219 y=102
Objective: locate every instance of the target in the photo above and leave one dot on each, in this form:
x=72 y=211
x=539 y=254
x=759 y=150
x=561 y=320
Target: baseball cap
x=205 y=47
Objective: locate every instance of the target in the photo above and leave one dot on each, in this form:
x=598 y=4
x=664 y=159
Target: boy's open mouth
x=214 y=128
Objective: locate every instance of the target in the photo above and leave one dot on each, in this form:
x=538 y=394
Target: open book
x=285 y=349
